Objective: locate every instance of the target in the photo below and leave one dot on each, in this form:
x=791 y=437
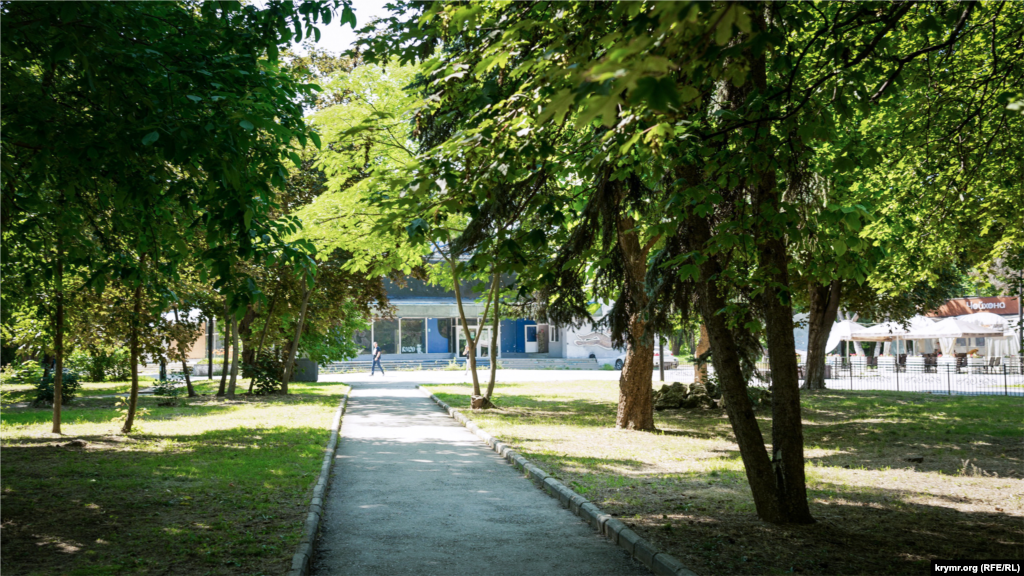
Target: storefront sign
x=1001 y=305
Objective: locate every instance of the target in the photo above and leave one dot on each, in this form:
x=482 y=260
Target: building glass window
x=363 y=340
x=440 y=336
x=385 y=332
x=414 y=336
x=979 y=341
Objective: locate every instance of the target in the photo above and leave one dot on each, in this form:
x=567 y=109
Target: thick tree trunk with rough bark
x=787 y=426
x=773 y=482
x=636 y=405
x=824 y=304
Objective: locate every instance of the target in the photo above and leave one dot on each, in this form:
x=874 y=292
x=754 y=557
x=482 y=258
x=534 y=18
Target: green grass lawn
x=206 y=487
x=684 y=487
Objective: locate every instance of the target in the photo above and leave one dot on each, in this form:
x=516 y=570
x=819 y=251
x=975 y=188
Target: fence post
x=896 y=366
x=1006 y=387
x=949 y=384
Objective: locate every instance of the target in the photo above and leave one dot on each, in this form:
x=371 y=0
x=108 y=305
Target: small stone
x=75 y=444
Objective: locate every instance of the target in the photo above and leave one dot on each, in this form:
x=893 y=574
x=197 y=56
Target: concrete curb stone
x=628 y=539
x=304 y=553
x=612 y=528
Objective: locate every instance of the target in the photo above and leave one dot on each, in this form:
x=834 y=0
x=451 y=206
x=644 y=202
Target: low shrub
x=28 y=372
x=266 y=374
x=170 y=388
x=100 y=365
x=68 y=388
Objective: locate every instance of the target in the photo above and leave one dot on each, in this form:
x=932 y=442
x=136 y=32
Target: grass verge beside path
x=684 y=489
x=206 y=487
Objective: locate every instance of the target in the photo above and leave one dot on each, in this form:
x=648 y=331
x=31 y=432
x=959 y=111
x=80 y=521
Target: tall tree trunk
x=244 y=327
x=700 y=363
x=661 y=358
x=636 y=406
x=494 y=337
x=824 y=304
x=184 y=361
x=227 y=350
x=58 y=339
x=675 y=343
x=726 y=360
x=133 y=396
x=470 y=340
x=263 y=335
x=234 y=357
x=787 y=426
x=289 y=366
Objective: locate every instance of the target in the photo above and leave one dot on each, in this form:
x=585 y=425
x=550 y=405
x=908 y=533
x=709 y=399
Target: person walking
x=465 y=354
x=376 y=360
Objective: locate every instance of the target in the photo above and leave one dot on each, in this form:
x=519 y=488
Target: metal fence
x=964 y=376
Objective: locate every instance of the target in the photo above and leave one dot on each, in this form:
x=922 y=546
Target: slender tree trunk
x=133 y=396
x=263 y=335
x=244 y=327
x=289 y=366
x=636 y=405
x=234 y=358
x=700 y=363
x=787 y=426
x=676 y=343
x=184 y=361
x=227 y=350
x=494 y=338
x=470 y=340
x=58 y=340
x=824 y=304
x=661 y=358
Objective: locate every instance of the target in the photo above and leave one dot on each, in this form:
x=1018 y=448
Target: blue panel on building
x=436 y=341
x=508 y=337
x=520 y=330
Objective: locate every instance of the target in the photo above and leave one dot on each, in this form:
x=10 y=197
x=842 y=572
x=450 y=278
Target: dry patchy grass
x=684 y=488
x=207 y=487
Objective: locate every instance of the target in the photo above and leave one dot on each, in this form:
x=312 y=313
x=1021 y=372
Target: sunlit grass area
x=685 y=489
x=209 y=486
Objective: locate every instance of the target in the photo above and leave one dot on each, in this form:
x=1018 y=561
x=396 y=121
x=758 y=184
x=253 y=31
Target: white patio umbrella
x=893 y=331
x=842 y=331
x=949 y=329
x=889 y=331
x=1008 y=344
x=986 y=319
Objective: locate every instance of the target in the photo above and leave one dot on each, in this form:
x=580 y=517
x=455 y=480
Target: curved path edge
x=300 y=562
x=660 y=563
